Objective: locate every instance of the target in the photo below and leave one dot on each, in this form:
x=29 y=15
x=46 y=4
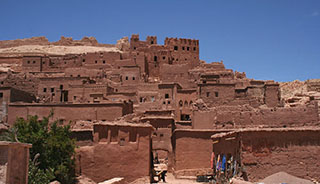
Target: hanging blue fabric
x=223 y=166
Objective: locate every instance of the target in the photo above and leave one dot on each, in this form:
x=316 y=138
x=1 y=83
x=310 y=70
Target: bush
x=53 y=146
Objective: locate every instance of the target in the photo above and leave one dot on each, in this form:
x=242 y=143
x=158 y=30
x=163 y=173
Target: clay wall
x=118 y=151
x=83 y=72
x=192 y=150
x=167 y=93
x=216 y=93
x=14 y=160
x=10 y=60
x=88 y=93
x=236 y=117
x=70 y=112
x=8 y=95
x=59 y=63
x=272 y=95
x=313 y=85
x=57 y=89
x=130 y=75
x=295 y=151
x=99 y=59
x=175 y=73
x=135 y=42
x=23 y=81
x=139 y=59
x=122 y=97
x=184 y=101
x=184 y=50
x=32 y=63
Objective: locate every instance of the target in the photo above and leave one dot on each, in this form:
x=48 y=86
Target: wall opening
x=216 y=94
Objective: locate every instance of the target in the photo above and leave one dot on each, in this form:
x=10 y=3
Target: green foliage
x=53 y=146
x=39 y=176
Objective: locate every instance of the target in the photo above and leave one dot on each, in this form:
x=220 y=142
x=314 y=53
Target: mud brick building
x=138 y=98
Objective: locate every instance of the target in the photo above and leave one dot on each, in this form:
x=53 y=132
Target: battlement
x=181 y=41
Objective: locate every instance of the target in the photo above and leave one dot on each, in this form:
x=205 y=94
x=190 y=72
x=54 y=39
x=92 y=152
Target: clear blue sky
x=268 y=39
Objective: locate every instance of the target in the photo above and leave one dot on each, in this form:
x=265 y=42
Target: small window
x=127 y=77
x=96 y=61
x=134 y=48
x=83 y=60
x=194 y=48
x=180 y=103
x=53 y=94
x=34 y=62
x=208 y=94
x=52 y=90
x=164 y=57
x=188 y=48
x=186 y=104
x=28 y=62
x=44 y=90
x=166 y=95
x=43 y=62
x=164 y=102
x=1 y=95
x=216 y=94
x=152 y=42
x=155 y=58
x=61 y=86
x=133 y=78
x=78 y=75
x=182 y=48
x=104 y=62
x=175 y=47
x=141 y=99
x=152 y=99
x=169 y=102
x=75 y=98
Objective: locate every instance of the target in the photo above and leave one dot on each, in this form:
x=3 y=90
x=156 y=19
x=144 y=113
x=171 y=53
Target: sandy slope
x=56 y=50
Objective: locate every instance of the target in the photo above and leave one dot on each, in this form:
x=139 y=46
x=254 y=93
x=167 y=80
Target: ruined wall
x=265 y=152
x=70 y=112
x=118 y=151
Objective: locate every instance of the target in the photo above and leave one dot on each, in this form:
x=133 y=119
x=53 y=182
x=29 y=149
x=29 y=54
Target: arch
x=186 y=103
x=180 y=103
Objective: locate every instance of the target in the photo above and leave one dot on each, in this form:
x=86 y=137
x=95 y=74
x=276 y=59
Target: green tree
x=52 y=144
